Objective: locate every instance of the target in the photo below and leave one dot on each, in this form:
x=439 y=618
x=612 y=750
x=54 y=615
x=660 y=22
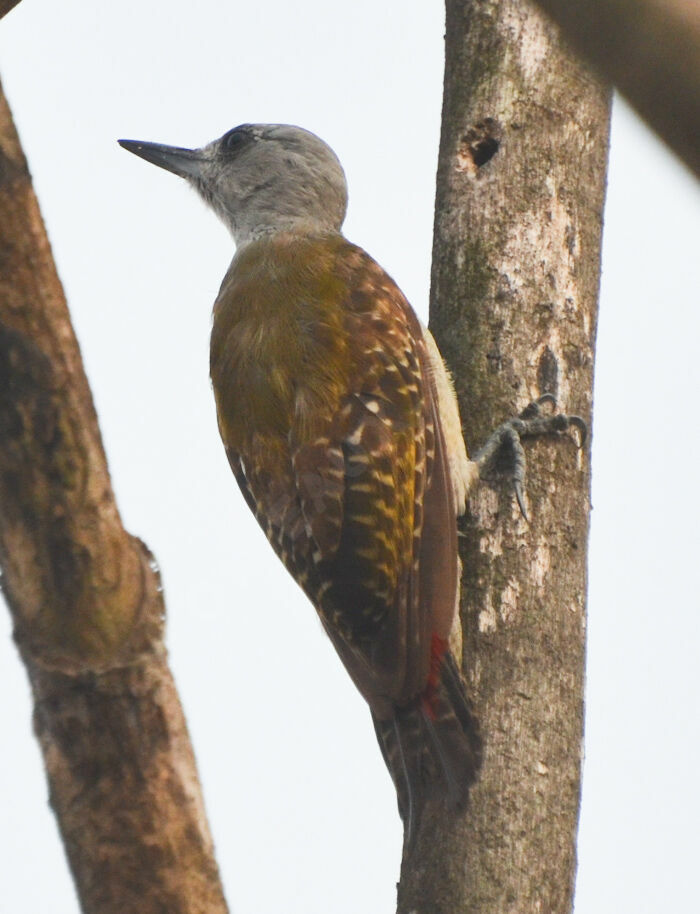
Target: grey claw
x=506 y=441
x=532 y=410
x=521 y=498
x=580 y=424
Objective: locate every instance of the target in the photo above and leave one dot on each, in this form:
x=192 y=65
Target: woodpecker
x=342 y=429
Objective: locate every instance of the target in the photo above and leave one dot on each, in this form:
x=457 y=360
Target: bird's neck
x=245 y=230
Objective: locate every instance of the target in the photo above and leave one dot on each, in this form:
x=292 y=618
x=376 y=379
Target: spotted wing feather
x=331 y=426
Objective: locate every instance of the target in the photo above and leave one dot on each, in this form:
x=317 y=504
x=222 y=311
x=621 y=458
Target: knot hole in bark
x=479 y=145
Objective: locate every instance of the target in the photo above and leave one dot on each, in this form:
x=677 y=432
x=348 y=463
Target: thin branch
x=86 y=603
x=6 y=6
x=650 y=50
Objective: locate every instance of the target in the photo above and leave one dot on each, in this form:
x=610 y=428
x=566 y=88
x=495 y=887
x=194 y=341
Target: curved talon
x=520 y=498
x=533 y=411
x=581 y=425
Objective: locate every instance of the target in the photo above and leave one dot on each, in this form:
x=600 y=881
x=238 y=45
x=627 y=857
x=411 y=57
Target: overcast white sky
x=302 y=810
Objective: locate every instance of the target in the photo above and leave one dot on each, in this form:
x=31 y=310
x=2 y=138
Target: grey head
x=261 y=178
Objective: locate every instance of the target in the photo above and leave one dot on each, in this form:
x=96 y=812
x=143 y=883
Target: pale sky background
x=301 y=807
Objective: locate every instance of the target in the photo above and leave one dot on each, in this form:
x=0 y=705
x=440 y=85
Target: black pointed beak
x=187 y=163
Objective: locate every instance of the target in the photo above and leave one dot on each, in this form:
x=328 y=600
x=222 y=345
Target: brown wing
x=355 y=497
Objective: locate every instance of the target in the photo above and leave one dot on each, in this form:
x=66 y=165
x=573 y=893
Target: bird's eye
x=235 y=140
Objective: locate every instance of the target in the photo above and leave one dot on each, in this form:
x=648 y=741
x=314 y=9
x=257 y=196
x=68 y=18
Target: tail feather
x=432 y=746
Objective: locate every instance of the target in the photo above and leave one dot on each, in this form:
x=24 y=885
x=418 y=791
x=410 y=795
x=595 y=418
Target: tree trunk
x=86 y=604
x=516 y=264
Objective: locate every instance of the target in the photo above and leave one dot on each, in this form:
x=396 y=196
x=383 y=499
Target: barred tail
x=432 y=747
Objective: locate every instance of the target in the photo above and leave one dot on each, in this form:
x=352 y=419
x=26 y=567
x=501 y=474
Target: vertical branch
x=86 y=604
x=520 y=194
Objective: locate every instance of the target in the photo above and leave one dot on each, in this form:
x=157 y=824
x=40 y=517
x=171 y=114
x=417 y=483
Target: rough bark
x=86 y=603
x=515 y=280
x=650 y=49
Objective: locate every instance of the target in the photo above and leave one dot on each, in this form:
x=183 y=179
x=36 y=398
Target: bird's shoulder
x=284 y=270
x=302 y=321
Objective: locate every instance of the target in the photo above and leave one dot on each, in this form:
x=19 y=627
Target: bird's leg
x=503 y=453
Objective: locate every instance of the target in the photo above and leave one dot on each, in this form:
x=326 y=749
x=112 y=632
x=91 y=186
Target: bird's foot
x=503 y=453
